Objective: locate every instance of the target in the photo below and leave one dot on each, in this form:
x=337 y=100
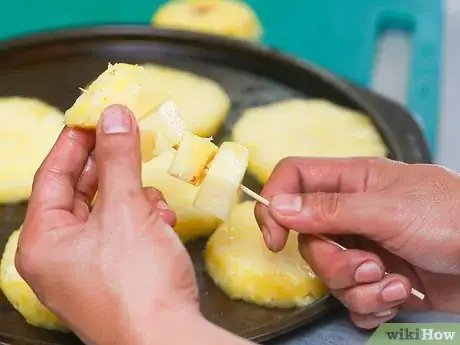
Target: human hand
x=104 y=270
x=395 y=217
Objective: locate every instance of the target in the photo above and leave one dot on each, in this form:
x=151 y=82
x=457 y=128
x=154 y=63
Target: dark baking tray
x=53 y=65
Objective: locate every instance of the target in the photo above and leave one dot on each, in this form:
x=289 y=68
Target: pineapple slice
x=311 y=128
x=239 y=262
x=191 y=158
x=204 y=105
x=191 y=222
x=160 y=130
x=29 y=130
x=119 y=84
x=223 y=179
x=20 y=295
x=226 y=18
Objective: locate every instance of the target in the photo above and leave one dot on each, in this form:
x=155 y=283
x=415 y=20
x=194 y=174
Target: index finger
x=296 y=175
x=55 y=181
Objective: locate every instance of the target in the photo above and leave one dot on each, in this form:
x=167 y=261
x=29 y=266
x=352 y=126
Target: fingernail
x=286 y=204
x=385 y=313
x=368 y=272
x=116 y=120
x=393 y=292
x=161 y=205
x=267 y=236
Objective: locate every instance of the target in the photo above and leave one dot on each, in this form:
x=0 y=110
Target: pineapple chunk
x=239 y=262
x=191 y=158
x=29 y=130
x=223 y=178
x=311 y=128
x=226 y=17
x=20 y=295
x=160 y=130
x=191 y=222
x=119 y=84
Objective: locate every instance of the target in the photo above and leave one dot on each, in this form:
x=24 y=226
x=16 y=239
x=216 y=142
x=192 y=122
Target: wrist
x=186 y=326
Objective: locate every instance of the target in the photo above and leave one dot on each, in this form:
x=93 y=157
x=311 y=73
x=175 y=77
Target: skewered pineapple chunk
x=160 y=130
x=191 y=158
x=223 y=179
x=20 y=295
x=191 y=222
x=239 y=262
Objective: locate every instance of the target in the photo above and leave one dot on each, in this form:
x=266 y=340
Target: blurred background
x=407 y=50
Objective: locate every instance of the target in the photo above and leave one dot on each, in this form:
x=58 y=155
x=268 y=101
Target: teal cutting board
x=340 y=35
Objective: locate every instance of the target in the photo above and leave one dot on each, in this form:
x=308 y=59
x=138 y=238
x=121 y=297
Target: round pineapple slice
x=28 y=132
x=20 y=295
x=225 y=18
x=202 y=103
x=311 y=128
x=191 y=223
x=239 y=262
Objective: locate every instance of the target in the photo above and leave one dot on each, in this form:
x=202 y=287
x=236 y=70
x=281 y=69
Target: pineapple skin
x=203 y=103
x=192 y=223
x=305 y=128
x=191 y=158
x=223 y=179
x=238 y=261
x=20 y=295
x=29 y=130
x=229 y=18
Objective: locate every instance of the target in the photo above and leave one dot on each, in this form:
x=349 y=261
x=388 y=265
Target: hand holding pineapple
x=126 y=262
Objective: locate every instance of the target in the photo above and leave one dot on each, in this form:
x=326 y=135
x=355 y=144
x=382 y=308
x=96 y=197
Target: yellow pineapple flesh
x=29 y=130
x=192 y=157
x=225 y=17
x=192 y=222
x=239 y=262
x=223 y=178
x=20 y=295
x=119 y=84
x=161 y=129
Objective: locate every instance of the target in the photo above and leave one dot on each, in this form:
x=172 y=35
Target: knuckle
x=27 y=264
x=357 y=301
x=329 y=205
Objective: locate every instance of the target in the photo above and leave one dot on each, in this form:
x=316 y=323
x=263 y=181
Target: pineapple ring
x=304 y=128
x=29 y=130
x=204 y=105
x=222 y=180
x=239 y=262
x=226 y=18
x=191 y=223
x=20 y=295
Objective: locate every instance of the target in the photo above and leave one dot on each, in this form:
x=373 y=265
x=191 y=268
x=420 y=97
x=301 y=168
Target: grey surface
x=390 y=80
x=338 y=330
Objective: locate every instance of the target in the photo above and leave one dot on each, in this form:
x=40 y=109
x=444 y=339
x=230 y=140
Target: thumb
x=118 y=154
x=333 y=213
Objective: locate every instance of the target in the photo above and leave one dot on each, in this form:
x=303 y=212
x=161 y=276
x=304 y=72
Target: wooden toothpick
x=265 y=202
